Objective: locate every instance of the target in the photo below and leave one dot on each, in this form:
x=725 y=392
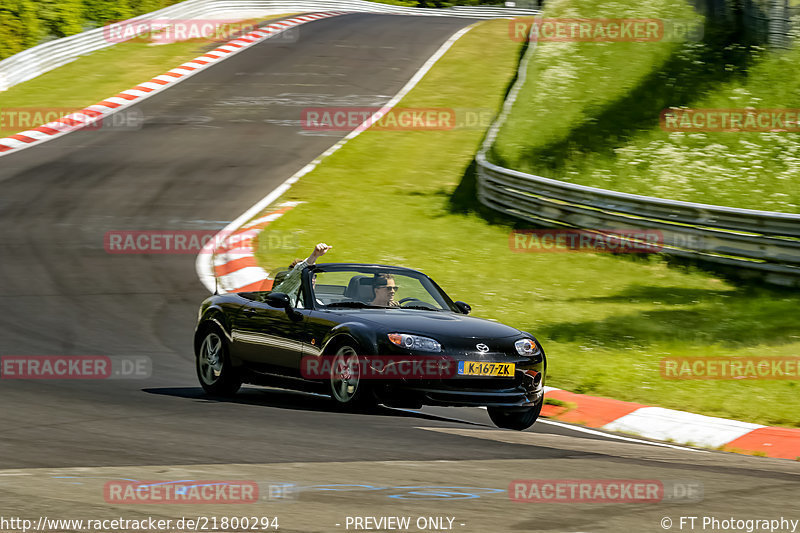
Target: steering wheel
x=409 y=299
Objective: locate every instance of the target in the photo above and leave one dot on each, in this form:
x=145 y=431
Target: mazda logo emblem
x=482 y=348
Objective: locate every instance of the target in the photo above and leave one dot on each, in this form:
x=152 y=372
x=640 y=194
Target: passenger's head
x=385 y=288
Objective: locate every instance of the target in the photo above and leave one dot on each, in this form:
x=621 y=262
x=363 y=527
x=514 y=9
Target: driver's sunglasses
x=390 y=287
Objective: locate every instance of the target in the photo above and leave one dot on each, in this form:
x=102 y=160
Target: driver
x=385 y=289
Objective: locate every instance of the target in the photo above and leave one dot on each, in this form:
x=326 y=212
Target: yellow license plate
x=478 y=368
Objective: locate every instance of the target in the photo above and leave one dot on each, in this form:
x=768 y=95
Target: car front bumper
x=523 y=391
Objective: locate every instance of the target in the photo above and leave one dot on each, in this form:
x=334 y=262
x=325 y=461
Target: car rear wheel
x=214 y=369
x=347 y=388
x=517 y=419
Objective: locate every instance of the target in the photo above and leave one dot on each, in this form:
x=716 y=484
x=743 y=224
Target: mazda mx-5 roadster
x=368 y=334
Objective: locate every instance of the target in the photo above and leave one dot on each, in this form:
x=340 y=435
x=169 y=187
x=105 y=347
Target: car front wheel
x=214 y=370
x=515 y=418
x=346 y=385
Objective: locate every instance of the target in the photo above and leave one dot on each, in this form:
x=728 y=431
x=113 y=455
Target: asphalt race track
x=210 y=148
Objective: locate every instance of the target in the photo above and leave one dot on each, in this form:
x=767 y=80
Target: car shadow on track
x=295 y=400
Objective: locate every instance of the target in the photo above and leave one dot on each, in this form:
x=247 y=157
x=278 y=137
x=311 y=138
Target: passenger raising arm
x=291 y=284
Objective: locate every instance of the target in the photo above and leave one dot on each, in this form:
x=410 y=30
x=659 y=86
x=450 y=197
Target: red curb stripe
x=263 y=285
x=22 y=138
x=236 y=264
x=184 y=67
x=4 y=148
x=109 y=104
x=125 y=96
x=91 y=112
x=592 y=411
x=141 y=88
x=173 y=74
x=45 y=129
x=783 y=443
x=160 y=82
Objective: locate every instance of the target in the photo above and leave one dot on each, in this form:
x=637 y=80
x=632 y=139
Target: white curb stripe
x=135 y=92
x=118 y=100
x=13 y=143
x=242 y=277
x=588 y=431
x=678 y=426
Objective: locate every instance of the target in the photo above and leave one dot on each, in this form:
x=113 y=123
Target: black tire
x=213 y=364
x=515 y=418
x=345 y=385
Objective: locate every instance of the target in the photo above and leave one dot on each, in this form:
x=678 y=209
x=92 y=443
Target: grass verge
x=589 y=113
x=605 y=322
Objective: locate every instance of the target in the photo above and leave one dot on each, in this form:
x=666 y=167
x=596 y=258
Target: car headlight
x=526 y=347
x=415 y=342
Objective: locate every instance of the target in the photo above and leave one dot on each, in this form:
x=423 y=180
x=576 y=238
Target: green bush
x=19 y=26
x=60 y=18
x=101 y=12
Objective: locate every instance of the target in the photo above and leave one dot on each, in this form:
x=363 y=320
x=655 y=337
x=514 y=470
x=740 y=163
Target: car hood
x=436 y=324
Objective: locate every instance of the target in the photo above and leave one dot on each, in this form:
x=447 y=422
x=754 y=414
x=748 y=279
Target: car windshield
x=377 y=289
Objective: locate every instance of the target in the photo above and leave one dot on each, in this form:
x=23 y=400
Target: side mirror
x=279 y=299
x=463 y=307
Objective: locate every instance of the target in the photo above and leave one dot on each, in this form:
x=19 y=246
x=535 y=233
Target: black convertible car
x=369 y=334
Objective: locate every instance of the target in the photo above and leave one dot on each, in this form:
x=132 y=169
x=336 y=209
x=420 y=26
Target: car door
x=269 y=339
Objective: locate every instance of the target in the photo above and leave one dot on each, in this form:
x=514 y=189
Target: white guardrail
x=39 y=59
x=761 y=244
